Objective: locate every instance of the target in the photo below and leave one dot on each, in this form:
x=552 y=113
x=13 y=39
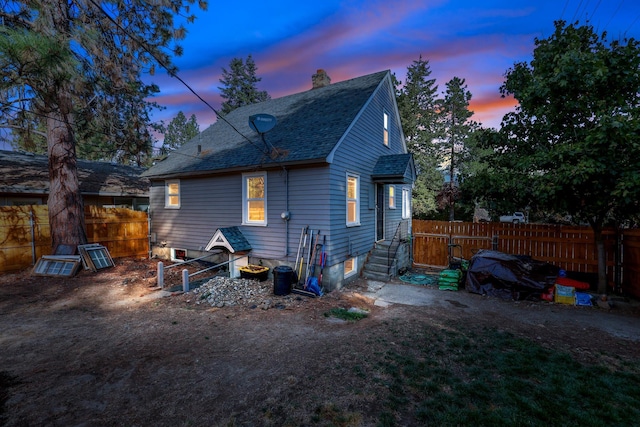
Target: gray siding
x=210 y=203
x=358 y=154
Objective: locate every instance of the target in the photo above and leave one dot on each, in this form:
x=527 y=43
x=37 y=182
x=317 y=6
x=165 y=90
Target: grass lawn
x=485 y=377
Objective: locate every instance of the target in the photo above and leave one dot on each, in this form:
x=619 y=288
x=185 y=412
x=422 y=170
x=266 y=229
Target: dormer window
x=385 y=135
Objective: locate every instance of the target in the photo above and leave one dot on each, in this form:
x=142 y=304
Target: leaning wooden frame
x=57 y=265
x=95 y=256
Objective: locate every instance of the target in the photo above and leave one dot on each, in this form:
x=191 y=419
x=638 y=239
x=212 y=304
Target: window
x=392 y=197
x=385 y=132
x=57 y=265
x=178 y=254
x=350 y=267
x=172 y=194
x=95 y=256
x=254 y=194
x=353 y=200
x=406 y=204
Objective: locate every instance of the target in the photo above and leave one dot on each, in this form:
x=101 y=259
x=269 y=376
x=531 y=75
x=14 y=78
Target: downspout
x=286 y=204
x=286 y=215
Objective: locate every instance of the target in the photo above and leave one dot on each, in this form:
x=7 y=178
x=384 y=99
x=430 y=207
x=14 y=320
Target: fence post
x=185 y=280
x=160 y=274
x=33 y=238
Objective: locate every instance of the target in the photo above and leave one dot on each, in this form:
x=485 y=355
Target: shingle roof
x=29 y=174
x=309 y=125
x=394 y=168
x=230 y=238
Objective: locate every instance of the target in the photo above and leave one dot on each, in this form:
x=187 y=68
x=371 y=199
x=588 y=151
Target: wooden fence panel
x=123 y=232
x=430 y=240
x=631 y=262
x=569 y=248
x=25 y=233
x=20 y=226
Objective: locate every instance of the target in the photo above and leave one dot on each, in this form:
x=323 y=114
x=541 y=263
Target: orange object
x=564 y=281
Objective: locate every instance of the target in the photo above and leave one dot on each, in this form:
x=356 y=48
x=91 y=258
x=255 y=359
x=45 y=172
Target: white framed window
x=172 y=194
x=392 y=197
x=350 y=267
x=353 y=200
x=385 y=129
x=178 y=255
x=254 y=198
x=406 y=204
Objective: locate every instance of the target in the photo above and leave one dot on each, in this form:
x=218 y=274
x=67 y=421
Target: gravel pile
x=223 y=291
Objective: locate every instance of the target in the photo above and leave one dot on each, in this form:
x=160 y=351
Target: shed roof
x=28 y=173
x=309 y=125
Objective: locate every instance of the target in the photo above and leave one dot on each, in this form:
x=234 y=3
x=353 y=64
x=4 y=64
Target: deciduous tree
x=574 y=135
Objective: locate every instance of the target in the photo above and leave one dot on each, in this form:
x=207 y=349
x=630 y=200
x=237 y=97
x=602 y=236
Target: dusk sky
x=289 y=40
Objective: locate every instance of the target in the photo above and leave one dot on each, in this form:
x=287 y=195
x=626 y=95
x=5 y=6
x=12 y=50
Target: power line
x=576 y=12
x=564 y=9
x=614 y=13
x=175 y=75
x=632 y=24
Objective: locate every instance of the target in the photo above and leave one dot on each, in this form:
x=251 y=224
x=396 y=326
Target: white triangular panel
x=218 y=240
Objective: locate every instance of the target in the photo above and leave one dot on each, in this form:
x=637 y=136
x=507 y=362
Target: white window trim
x=392 y=198
x=406 y=204
x=174 y=258
x=167 y=184
x=354 y=271
x=245 y=201
x=357 y=200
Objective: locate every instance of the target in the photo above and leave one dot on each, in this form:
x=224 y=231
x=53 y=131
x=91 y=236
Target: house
x=332 y=158
x=25 y=181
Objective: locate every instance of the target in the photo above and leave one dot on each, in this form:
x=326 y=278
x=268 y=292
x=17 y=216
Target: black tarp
x=508 y=276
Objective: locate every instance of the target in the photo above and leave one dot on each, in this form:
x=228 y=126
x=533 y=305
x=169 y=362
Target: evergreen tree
x=73 y=59
x=417 y=107
x=180 y=131
x=29 y=132
x=454 y=117
x=240 y=85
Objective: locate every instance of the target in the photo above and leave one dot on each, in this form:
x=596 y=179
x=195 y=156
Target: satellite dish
x=262 y=123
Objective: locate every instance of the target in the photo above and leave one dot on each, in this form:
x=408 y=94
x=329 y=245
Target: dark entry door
x=379 y=212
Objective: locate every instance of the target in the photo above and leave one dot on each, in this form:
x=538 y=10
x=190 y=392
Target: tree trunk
x=452 y=215
x=66 y=208
x=602 y=260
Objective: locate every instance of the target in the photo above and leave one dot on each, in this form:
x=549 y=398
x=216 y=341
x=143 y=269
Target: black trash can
x=282 y=278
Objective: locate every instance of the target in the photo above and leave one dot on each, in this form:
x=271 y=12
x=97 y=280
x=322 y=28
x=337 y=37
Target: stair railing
x=402 y=230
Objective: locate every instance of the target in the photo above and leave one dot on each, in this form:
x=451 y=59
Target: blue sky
x=289 y=40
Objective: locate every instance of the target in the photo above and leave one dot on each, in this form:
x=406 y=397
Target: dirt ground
x=104 y=349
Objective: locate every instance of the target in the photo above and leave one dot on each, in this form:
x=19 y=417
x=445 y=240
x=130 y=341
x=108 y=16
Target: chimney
x=320 y=79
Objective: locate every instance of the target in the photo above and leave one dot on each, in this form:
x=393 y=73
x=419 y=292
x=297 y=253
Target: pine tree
x=73 y=59
x=180 y=131
x=454 y=117
x=417 y=108
x=240 y=85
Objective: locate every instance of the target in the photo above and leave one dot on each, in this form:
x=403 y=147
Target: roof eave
x=212 y=172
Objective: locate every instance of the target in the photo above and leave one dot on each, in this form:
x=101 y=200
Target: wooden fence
x=25 y=234
x=569 y=248
x=631 y=262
